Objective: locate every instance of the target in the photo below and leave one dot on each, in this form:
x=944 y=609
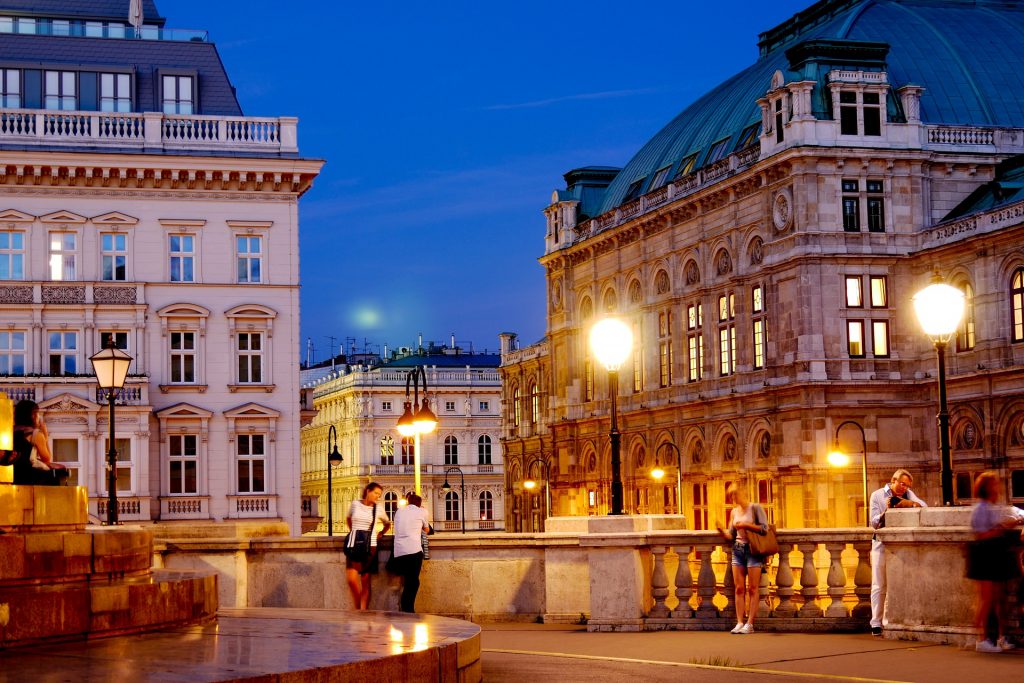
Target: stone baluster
x=809 y=582
x=729 y=587
x=784 y=582
x=684 y=584
x=706 y=582
x=836 y=579
x=659 y=583
x=763 y=609
x=862 y=580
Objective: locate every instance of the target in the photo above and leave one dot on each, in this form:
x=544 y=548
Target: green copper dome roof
x=967 y=54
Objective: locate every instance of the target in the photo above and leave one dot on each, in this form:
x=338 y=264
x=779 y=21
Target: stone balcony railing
x=40 y=387
x=148 y=131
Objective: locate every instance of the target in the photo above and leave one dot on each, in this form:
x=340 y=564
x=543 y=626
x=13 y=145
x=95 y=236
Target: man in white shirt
x=895 y=494
x=410 y=522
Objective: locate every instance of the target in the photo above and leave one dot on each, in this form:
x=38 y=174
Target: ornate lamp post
x=658 y=474
x=839 y=459
x=447 y=488
x=416 y=419
x=939 y=308
x=611 y=341
x=333 y=458
x=530 y=484
x=111 y=368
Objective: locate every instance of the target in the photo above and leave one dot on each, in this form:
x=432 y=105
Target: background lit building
x=765 y=246
x=137 y=203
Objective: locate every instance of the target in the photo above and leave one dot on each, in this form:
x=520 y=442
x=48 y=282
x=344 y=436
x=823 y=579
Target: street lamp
x=333 y=458
x=531 y=484
x=447 y=488
x=611 y=341
x=839 y=459
x=658 y=474
x=939 y=309
x=416 y=419
x=110 y=366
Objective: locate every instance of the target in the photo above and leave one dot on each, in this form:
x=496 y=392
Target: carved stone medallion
x=782 y=210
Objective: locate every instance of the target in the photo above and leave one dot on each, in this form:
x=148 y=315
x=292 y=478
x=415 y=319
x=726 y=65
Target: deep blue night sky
x=446 y=126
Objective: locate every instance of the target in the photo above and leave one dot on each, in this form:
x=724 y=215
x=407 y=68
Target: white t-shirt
x=410 y=522
x=362 y=518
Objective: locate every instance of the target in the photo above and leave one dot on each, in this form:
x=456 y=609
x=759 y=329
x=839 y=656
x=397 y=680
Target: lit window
x=759 y=324
x=251 y=463
x=451 y=450
x=250 y=259
x=686 y=165
x=63 y=353
x=486 y=506
x=483 y=450
x=12 y=353
x=854 y=296
x=665 y=348
x=250 y=357
x=60 y=90
x=183 y=357
x=880 y=338
x=115 y=92
x=695 y=341
x=12 y=255
x=115 y=256
x=178 y=97
x=879 y=292
x=588 y=378
x=534 y=404
x=182 y=258
x=1017 y=303
x=10 y=88
x=748 y=136
x=517 y=410
x=387 y=450
x=638 y=359
x=408 y=450
x=63 y=247
x=965 y=335
x=727 y=334
x=855 y=338
x=183 y=464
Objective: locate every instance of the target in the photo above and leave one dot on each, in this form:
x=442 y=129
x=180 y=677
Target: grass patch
x=715 y=661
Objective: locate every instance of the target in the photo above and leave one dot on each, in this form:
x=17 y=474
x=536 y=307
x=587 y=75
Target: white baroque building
x=137 y=203
x=364 y=402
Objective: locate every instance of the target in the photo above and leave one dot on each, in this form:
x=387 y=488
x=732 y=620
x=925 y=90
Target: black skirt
x=994 y=559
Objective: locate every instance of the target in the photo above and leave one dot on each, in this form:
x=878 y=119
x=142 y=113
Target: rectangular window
x=115 y=256
x=634 y=190
x=178 y=97
x=115 y=92
x=182 y=258
x=385 y=406
x=10 y=88
x=872 y=114
x=249 y=259
x=184 y=464
x=660 y=177
x=879 y=295
x=700 y=506
x=695 y=341
x=665 y=348
x=851 y=214
x=449 y=406
x=880 y=338
x=876 y=207
x=94 y=29
x=250 y=357
x=65 y=451
x=251 y=463
x=12 y=353
x=61 y=91
x=847 y=112
x=63 y=353
x=748 y=136
x=60 y=27
x=485 y=406
x=717 y=151
x=855 y=338
x=588 y=379
x=12 y=256
x=686 y=166
x=757 y=308
x=727 y=334
x=779 y=120
x=183 y=357
x=758 y=344
x=854 y=296
x=63 y=248
x=638 y=360
x=120 y=340
x=124 y=464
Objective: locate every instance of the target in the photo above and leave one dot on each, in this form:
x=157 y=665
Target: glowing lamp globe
x=529 y=484
x=406 y=424
x=111 y=367
x=611 y=340
x=939 y=308
x=425 y=421
x=657 y=473
x=838 y=459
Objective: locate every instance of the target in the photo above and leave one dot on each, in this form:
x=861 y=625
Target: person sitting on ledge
x=30 y=433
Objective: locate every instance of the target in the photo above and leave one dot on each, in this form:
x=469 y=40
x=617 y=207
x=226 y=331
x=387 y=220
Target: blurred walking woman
x=746 y=518
x=992 y=560
x=30 y=435
x=363 y=516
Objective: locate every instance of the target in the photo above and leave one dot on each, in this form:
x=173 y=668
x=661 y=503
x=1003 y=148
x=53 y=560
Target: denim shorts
x=742 y=557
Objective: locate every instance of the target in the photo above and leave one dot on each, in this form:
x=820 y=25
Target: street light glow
x=611 y=341
x=939 y=308
x=838 y=459
x=657 y=473
x=529 y=484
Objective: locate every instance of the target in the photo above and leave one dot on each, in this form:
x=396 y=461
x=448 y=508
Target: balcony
x=39 y=388
x=148 y=131
x=81 y=29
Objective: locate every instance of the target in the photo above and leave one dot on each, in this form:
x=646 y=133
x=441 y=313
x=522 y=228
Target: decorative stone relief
x=114 y=295
x=756 y=251
x=556 y=295
x=729 y=449
x=697 y=452
x=661 y=285
x=968 y=438
x=611 y=301
x=636 y=295
x=63 y=294
x=723 y=263
x=16 y=294
x=764 y=446
x=782 y=210
x=692 y=273
x=592 y=463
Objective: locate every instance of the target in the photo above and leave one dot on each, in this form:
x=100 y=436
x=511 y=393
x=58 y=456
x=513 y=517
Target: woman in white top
x=360 y=518
x=746 y=518
x=410 y=524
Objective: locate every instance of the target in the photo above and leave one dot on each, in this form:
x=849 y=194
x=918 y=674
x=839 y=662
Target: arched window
x=483 y=450
x=486 y=506
x=965 y=335
x=408 y=450
x=451 y=507
x=1017 y=299
x=387 y=450
x=391 y=504
x=451 y=450
x=517 y=410
x=534 y=404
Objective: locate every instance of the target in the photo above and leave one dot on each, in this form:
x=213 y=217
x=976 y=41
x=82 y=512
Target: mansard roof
x=967 y=54
x=1006 y=188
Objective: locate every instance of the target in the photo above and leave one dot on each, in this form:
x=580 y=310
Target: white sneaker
x=737 y=628
x=747 y=628
x=986 y=646
x=1005 y=645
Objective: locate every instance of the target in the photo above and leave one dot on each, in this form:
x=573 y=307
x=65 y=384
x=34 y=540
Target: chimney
x=507 y=342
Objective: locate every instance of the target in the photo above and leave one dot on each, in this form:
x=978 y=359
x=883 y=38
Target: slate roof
x=216 y=94
x=967 y=54
x=473 y=360
x=114 y=10
x=1006 y=188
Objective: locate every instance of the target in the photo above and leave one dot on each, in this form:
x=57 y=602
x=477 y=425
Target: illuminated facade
x=765 y=246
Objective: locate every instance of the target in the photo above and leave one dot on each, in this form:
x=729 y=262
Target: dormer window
x=748 y=137
x=178 y=94
x=779 y=121
x=660 y=177
x=61 y=90
x=686 y=165
x=717 y=151
x=17 y=25
x=854 y=114
x=115 y=92
x=10 y=88
x=634 y=190
x=872 y=114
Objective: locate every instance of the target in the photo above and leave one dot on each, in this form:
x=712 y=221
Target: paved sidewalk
x=517 y=652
